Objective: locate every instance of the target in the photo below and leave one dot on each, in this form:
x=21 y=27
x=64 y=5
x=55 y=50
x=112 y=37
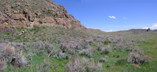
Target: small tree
x=148 y=29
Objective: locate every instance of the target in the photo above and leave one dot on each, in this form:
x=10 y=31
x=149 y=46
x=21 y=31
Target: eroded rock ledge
x=23 y=13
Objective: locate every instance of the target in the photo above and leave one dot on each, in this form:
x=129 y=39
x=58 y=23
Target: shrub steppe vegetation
x=77 y=51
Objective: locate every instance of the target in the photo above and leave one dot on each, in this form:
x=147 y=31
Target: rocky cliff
x=31 y=13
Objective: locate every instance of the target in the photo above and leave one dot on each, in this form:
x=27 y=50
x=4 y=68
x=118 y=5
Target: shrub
x=2 y=45
x=78 y=47
x=106 y=42
x=147 y=58
x=50 y=48
x=119 y=47
x=118 y=56
x=93 y=43
x=58 y=54
x=3 y=65
x=61 y=55
x=83 y=65
x=95 y=39
x=104 y=59
x=64 y=47
x=40 y=52
x=108 y=65
x=138 y=58
x=99 y=48
x=68 y=57
x=71 y=51
x=128 y=46
x=87 y=52
x=134 y=57
x=106 y=50
x=19 y=61
x=70 y=47
x=100 y=44
x=7 y=52
x=86 y=47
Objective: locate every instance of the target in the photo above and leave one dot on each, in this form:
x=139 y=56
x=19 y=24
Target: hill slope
x=31 y=13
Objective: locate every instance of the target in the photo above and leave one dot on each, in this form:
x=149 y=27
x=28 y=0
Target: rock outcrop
x=29 y=14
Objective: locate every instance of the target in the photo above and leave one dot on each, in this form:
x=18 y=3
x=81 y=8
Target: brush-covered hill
x=34 y=20
x=32 y=13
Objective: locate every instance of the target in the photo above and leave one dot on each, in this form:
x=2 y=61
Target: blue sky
x=113 y=15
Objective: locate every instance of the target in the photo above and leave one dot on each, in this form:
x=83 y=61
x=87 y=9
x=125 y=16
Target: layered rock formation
x=31 y=13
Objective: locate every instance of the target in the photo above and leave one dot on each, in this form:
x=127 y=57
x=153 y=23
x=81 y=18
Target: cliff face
x=31 y=13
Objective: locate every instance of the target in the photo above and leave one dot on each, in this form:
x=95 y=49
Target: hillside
x=32 y=13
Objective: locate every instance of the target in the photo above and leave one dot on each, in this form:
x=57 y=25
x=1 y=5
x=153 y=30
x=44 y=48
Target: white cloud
x=145 y=27
x=154 y=26
x=110 y=30
x=124 y=17
x=112 y=17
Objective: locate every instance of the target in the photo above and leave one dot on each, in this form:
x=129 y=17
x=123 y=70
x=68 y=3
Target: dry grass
x=3 y=65
x=9 y=50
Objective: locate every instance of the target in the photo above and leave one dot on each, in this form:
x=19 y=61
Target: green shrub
x=95 y=39
x=106 y=42
x=99 y=48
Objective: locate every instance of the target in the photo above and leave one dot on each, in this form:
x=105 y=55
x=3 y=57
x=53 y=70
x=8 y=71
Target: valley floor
x=61 y=50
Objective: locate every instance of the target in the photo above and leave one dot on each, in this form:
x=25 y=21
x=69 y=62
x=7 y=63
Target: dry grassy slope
x=96 y=31
x=31 y=13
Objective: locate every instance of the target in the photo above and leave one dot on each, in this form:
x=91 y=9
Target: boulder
x=78 y=23
x=35 y=23
x=48 y=20
x=63 y=22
